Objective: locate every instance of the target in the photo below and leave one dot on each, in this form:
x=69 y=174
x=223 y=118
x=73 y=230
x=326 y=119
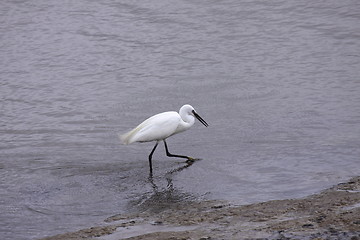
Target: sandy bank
x=331 y=214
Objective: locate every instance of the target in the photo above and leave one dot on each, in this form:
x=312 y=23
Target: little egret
x=161 y=126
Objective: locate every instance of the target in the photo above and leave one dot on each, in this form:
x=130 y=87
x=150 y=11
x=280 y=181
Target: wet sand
x=332 y=214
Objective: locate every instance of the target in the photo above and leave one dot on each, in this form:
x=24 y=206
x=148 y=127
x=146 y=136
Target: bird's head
x=189 y=110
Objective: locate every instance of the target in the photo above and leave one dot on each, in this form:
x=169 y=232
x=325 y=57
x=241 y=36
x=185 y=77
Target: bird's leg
x=150 y=157
x=189 y=159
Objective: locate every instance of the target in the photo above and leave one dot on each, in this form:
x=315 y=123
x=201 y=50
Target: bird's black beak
x=200 y=118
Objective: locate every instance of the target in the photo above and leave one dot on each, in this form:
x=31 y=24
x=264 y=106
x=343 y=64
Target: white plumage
x=161 y=126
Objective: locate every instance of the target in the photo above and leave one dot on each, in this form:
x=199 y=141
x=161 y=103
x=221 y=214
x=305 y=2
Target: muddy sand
x=332 y=214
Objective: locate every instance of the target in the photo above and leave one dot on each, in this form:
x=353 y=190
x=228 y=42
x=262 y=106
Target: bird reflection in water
x=165 y=198
x=169 y=175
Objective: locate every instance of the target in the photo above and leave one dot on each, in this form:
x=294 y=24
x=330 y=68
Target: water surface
x=277 y=81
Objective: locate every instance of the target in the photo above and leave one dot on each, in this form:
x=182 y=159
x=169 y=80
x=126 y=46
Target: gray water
x=278 y=82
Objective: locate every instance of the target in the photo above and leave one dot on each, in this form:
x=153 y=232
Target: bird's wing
x=155 y=128
x=158 y=127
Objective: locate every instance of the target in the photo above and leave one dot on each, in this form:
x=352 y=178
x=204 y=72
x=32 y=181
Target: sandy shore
x=332 y=214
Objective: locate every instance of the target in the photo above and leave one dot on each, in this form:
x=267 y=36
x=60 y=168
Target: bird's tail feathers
x=127 y=137
x=124 y=138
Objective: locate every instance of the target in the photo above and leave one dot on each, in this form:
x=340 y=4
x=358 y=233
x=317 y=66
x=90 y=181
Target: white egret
x=161 y=126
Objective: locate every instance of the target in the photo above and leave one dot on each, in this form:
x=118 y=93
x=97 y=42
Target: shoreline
x=333 y=213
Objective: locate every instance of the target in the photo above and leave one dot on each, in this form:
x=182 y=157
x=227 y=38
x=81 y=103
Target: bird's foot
x=191 y=160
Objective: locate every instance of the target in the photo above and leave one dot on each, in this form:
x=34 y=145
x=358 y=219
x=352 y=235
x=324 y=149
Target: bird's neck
x=187 y=122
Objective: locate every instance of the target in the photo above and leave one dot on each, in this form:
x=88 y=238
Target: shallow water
x=277 y=81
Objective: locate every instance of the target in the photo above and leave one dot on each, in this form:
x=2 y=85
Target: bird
x=161 y=126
